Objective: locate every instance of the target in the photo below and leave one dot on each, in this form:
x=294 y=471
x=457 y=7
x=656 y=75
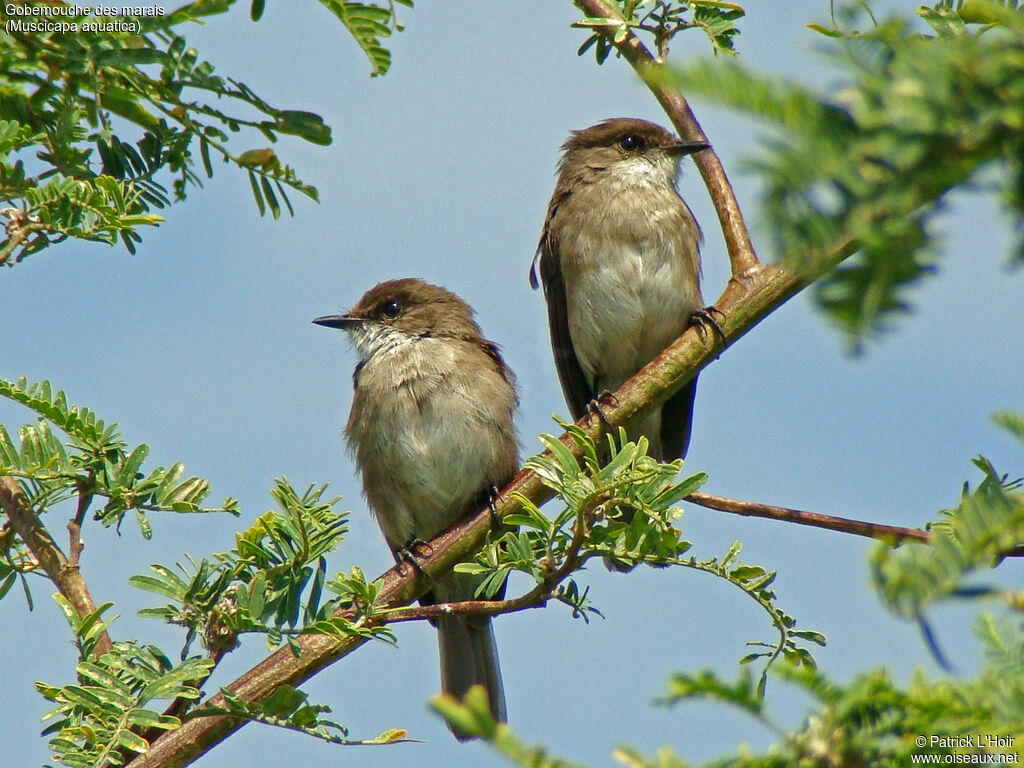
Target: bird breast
x=632 y=274
x=431 y=427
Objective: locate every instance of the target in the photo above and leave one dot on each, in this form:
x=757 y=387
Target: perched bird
x=620 y=263
x=432 y=434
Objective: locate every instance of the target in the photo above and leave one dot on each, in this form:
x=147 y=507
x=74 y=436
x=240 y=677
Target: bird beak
x=686 y=147
x=337 y=321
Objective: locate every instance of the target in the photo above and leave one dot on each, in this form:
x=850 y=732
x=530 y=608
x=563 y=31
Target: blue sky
x=201 y=345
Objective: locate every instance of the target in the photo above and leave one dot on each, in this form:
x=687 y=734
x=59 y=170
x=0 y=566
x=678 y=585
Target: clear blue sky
x=201 y=345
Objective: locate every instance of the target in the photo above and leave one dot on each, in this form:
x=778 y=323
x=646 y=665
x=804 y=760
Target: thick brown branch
x=892 y=534
x=65 y=576
x=653 y=72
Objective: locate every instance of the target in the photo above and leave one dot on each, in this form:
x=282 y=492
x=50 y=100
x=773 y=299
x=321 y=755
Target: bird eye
x=629 y=143
x=392 y=309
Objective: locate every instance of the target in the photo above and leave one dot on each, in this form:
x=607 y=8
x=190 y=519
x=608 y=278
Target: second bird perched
x=431 y=429
x=620 y=263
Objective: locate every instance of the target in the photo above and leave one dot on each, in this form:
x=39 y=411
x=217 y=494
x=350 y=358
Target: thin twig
x=653 y=72
x=893 y=535
x=886 y=533
x=535 y=598
x=75 y=544
x=18 y=235
x=465 y=608
x=65 y=576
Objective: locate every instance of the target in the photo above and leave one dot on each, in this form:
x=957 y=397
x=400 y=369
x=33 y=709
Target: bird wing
x=578 y=392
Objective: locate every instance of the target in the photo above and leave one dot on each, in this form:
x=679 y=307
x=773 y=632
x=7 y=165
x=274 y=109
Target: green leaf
x=680 y=491
x=1012 y=422
x=707 y=685
x=147 y=718
x=731 y=554
x=597 y=21
x=120 y=57
x=367 y=23
x=7 y=583
x=283 y=701
x=83 y=697
x=204 y=151
x=308 y=125
x=98 y=675
x=562 y=455
x=256 y=193
x=270 y=197
x=159 y=586
x=809 y=634
x=133 y=742
x=133 y=462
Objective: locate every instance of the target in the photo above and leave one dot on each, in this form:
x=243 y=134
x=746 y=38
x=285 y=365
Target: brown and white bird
x=620 y=263
x=431 y=430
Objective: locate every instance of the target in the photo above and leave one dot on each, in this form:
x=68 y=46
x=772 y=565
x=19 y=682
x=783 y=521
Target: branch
x=465 y=608
x=75 y=545
x=18 y=234
x=893 y=535
x=65 y=576
x=890 y=534
x=400 y=586
x=537 y=597
x=652 y=71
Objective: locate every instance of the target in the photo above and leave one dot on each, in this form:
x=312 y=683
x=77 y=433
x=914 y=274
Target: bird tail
x=469 y=656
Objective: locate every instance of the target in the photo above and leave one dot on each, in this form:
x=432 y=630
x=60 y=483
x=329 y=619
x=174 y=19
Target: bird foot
x=606 y=399
x=704 y=318
x=408 y=552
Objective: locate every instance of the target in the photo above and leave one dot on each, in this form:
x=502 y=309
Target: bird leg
x=492 y=495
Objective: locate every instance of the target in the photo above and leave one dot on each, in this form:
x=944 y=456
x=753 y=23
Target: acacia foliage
x=912 y=116
x=101 y=131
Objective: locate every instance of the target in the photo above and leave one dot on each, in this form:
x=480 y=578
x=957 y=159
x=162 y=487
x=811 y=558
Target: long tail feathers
x=469 y=657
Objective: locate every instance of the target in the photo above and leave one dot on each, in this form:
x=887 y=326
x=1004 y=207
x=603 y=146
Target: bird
x=431 y=430
x=619 y=260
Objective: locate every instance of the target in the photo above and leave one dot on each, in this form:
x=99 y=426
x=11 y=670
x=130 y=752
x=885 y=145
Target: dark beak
x=686 y=147
x=337 y=321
